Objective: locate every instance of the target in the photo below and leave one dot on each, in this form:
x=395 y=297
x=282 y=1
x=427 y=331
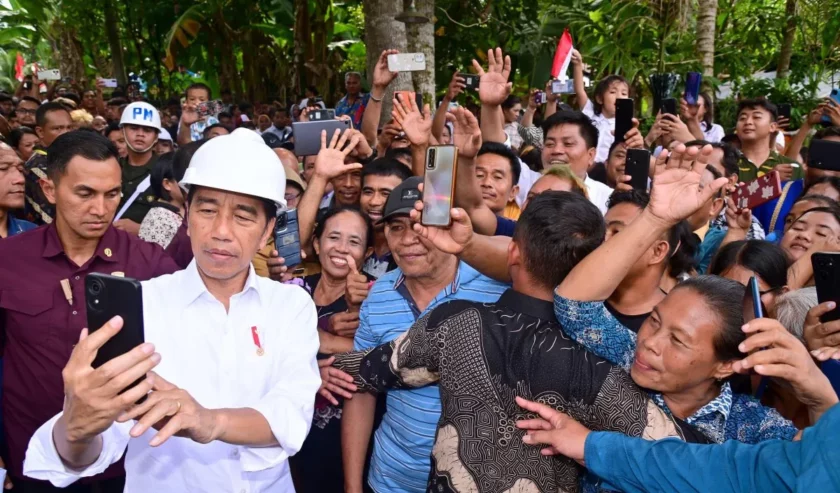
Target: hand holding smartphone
x=757 y=192
x=827 y=279
x=407 y=62
x=637 y=166
x=439 y=185
x=692 y=87
x=623 y=118
x=287 y=238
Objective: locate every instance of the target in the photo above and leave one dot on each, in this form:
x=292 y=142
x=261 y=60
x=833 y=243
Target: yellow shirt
x=512 y=210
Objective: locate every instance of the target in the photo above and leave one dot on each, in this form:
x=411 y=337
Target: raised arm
x=382 y=78
x=676 y=194
x=493 y=89
x=456 y=87
x=796 y=142
x=577 y=75
x=418 y=130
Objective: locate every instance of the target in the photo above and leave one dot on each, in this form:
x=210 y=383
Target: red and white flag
x=563 y=56
x=19 y=64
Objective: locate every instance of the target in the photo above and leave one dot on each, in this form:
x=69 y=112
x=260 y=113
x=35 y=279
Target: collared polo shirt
x=40 y=326
x=747 y=171
x=403 y=442
x=132 y=177
x=17 y=226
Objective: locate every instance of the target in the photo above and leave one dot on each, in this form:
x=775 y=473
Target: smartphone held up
x=439 y=185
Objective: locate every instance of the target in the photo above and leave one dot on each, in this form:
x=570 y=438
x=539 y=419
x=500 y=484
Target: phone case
x=784 y=110
x=287 y=238
x=321 y=115
x=470 y=80
x=623 y=118
x=308 y=134
x=637 y=166
x=439 y=185
x=106 y=297
x=757 y=192
x=539 y=97
x=209 y=108
x=752 y=307
x=407 y=62
x=824 y=154
x=827 y=278
x=50 y=74
x=835 y=95
x=692 y=87
x=669 y=106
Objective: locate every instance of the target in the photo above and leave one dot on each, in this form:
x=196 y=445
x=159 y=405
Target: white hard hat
x=239 y=162
x=164 y=135
x=142 y=114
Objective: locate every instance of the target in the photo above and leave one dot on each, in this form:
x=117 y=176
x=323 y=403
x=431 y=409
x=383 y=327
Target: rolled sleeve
x=43 y=462
x=591 y=325
x=289 y=405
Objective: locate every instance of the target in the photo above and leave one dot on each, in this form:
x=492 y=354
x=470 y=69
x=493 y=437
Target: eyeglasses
x=292 y=196
x=24 y=111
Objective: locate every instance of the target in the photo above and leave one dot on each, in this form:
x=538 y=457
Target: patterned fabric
x=160 y=225
x=531 y=136
x=756 y=232
x=197 y=128
x=727 y=417
x=37 y=209
x=403 y=442
x=472 y=350
x=355 y=111
x=512 y=131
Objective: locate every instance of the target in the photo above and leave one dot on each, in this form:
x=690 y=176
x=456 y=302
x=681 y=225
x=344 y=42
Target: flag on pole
x=19 y=64
x=563 y=56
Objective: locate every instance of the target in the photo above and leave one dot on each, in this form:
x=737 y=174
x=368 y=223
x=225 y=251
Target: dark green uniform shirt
x=132 y=176
x=747 y=171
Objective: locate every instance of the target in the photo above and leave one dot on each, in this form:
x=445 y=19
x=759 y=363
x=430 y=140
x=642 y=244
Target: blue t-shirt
x=402 y=448
x=504 y=226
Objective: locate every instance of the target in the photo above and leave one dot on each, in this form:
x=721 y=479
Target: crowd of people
x=567 y=331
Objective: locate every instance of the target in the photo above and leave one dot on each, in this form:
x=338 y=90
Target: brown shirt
x=39 y=326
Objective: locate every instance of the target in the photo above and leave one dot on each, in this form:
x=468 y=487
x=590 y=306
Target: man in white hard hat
x=164 y=143
x=140 y=125
x=233 y=390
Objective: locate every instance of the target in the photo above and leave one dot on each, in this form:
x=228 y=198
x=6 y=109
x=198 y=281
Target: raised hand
x=735 y=218
x=775 y=352
x=362 y=149
x=456 y=87
x=452 y=239
x=689 y=111
x=832 y=111
x=417 y=126
x=550 y=97
x=818 y=334
x=493 y=87
x=330 y=160
x=467 y=134
x=676 y=193
x=188 y=114
x=560 y=432
x=358 y=286
x=389 y=131
x=382 y=77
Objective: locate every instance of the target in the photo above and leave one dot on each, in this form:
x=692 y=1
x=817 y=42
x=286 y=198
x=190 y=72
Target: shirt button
x=77 y=278
x=234 y=453
x=75 y=312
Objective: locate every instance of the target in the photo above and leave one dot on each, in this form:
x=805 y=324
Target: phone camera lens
x=430 y=162
x=95 y=288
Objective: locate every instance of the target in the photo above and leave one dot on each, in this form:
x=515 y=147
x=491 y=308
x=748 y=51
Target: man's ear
x=659 y=251
x=513 y=193
x=717 y=206
x=48 y=187
x=592 y=152
x=724 y=370
x=40 y=132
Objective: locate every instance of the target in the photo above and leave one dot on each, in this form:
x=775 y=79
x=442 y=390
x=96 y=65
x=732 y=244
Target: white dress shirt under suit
x=213 y=356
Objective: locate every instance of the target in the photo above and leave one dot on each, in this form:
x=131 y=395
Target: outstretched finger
x=335 y=137
x=491 y=61
x=351 y=263
x=342 y=139
x=702 y=159
x=478 y=69
x=427 y=112
x=507 y=67
x=533 y=424
x=542 y=410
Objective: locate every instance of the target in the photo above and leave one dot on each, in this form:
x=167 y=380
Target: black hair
x=532 y=157
x=5 y=97
x=269 y=206
x=731 y=155
x=112 y=127
x=827 y=132
x=832 y=181
x=709 y=117
x=41 y=114
x=731 y=139
x=17 y=135
x=587 y=129
x=500 y=149
x=602 y=88
x=30 y=99
x=199 y=86
x=510 y=102
x=312 y=89
x=683 y=248
x=555 y=232
x=211 y=127
x=72 y=96
x=244 y=107
x=754 y=103
x=163 y=170
x=386 y=166
x=766 y=259
x=639 y=198
x=397 y=152
x=724 y=298
x=715 y=175
x=115 y=101
x=334 y=211
x=224 y=114
x=89 y=145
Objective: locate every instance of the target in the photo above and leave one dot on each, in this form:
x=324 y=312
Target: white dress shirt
x=599 y=194
x=605 y=126
x=212 y=355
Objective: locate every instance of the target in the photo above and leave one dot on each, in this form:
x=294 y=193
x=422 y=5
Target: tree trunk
x=706 y=23
x=421 y=39
x=303 y=39
x=113 y=34
x=383 y=32
x=786 y=52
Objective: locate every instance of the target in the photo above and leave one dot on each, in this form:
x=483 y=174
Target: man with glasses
x=25 y=111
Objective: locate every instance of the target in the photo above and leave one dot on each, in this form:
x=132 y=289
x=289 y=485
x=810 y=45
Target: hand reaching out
x=456 y=87
x=417 y=126
x=382 y=77
x=467 y=134
x=493 y=87
x=561 y=434
x=330 y=160
x=735 y=218
x=448 y=239
x=818 y=334
x=334 y=381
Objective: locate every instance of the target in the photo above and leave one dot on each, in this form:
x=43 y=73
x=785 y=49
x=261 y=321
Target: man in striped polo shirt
x=425 y=278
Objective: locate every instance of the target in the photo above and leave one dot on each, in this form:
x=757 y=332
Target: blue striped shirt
x=403 y=443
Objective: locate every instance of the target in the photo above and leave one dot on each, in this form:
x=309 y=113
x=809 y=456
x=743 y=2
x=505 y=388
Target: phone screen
x=692 y=87
x=439 y=184
x=623 y=118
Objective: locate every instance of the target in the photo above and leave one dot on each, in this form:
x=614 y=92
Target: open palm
x=676 y=193
x=416 y=125
x=493 y=86
x=467 y=134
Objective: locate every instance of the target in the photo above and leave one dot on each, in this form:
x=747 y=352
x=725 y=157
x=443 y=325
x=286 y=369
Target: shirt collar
x=453 y=287
x=523 y=303
x=105 y=249
x=192 y=286
x=722 y=404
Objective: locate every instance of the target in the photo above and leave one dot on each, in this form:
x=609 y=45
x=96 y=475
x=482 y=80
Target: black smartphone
x=827 y=278
x=470 y=81
x=308 y=134
x=623 y=118
x=637 y=166
x=105 y=298
x=752 y=307
x=824 y=154
x=322 y=115
x=784 y=110
x=287 y=238
x=669 y=106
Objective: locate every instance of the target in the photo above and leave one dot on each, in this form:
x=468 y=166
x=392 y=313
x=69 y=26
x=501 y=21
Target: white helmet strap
x=138 y=151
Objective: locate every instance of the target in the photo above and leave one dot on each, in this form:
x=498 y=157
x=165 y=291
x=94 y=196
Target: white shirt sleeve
x=43 y=462
x=289 y=405
x=714 y=134
x=588 y=109
x=527 y=178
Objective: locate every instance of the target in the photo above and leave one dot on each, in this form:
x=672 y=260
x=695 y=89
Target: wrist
x=219 y=421
x=654 y=223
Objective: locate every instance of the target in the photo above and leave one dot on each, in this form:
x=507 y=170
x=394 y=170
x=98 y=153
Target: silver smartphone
x=49 y=74
x=439 y=185
x=407 y=62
